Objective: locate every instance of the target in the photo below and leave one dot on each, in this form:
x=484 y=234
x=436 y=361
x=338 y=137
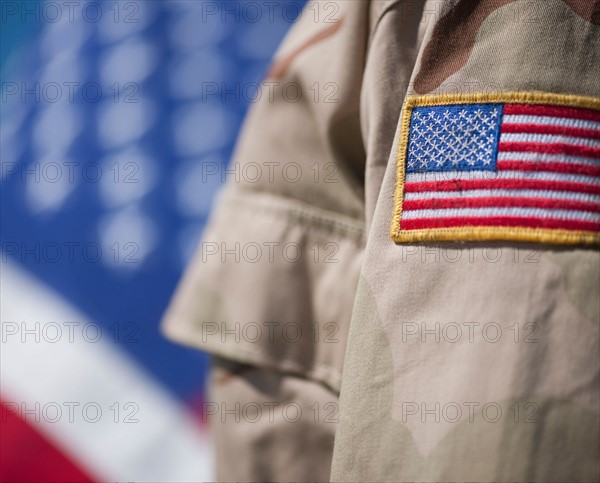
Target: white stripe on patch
x=545 y=194
x=546 y=158
x=550 y=121
x=492 y=175
x=491 y=212
x=509 y=137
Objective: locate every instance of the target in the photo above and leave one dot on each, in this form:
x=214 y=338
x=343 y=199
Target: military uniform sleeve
x=272 y=284
x=285 y=241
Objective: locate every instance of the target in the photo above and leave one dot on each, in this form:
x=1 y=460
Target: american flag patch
x=508 y=166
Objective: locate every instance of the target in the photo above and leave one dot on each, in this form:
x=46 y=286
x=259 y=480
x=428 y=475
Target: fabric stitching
x=300 y=214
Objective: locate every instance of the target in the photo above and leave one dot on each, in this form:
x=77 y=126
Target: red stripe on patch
x=550 y=129
x=571 y=168
x=554 y=111
x=472 y=184
x=525 y=222
x=500 y=201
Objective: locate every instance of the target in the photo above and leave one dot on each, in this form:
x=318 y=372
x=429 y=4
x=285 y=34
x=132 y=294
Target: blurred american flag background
x=110 y=112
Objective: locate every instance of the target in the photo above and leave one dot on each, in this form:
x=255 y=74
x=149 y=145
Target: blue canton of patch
x=454 y=138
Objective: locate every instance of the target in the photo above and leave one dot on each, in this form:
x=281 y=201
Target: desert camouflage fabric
x=453 y=361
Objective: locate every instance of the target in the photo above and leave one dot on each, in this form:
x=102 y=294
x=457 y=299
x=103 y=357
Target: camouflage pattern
x=478 y=362
x=461 y=361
